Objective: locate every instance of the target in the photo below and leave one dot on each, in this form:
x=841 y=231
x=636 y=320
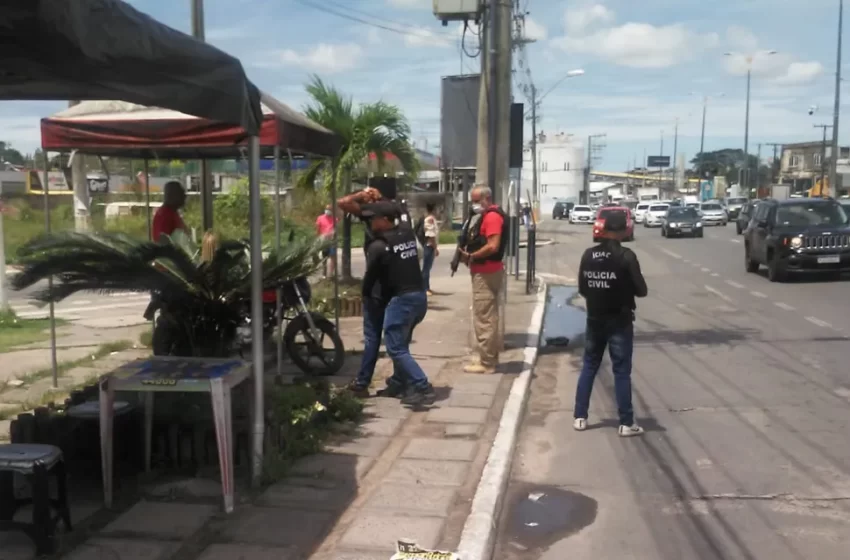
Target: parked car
x=681 y=221
x=604 y=213
x=655 y=214
x=745 y=215
x=798 y=235
x=582 y=215
x=640 y=211
x=561 y=211
x=713 y=213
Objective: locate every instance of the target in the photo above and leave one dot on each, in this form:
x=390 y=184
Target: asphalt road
x=743 y=387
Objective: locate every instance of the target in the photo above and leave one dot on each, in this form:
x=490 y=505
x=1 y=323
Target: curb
x=478 y=538
x=543 y=243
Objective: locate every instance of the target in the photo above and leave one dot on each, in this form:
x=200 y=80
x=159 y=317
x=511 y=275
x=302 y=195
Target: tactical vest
x=475 y=240
x=608 y=289
x=402 y=273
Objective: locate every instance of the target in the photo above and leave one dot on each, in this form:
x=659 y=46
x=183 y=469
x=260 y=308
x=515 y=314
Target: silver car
x=713 y=214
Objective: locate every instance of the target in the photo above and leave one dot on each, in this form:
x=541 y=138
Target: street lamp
x=705 y=99
x=749 y=59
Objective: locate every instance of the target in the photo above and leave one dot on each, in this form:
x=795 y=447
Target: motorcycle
x=183 y=328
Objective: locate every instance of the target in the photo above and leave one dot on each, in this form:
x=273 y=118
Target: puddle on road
x=563 y=323
x=539 y=516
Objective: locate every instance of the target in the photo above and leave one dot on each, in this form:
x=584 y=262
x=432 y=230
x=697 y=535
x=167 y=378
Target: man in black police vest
x=610 y=279
x=392 y=262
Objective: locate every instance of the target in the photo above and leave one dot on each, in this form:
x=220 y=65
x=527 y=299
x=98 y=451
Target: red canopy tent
x=118 y=128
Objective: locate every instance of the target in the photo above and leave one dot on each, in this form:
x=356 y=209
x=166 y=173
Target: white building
x=560 y=170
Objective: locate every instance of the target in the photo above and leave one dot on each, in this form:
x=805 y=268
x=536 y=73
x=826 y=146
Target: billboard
x=658 y=161
x=459 y=120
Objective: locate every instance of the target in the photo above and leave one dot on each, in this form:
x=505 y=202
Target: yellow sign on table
x=407 y=550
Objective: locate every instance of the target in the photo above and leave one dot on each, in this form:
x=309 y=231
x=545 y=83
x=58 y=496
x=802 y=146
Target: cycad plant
x=204 y=301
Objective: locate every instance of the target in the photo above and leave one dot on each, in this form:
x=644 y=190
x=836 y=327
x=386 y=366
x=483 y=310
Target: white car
x=713 y=214
x=582 y=215
x=655 y=214
x=640 y=212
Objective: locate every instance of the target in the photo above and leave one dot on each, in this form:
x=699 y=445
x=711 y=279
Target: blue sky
x=646 y=64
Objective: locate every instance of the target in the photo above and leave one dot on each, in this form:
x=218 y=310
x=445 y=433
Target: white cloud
x=800 y=73
x=641 y=45
x=373 y=36
x=534 y=31
x=323 y=58
x=422 y=37
x=741 y=39
x=580 y=19
x=409 y=4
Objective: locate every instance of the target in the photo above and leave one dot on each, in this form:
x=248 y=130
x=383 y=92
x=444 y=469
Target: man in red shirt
x=484 y=252
x=167 y=218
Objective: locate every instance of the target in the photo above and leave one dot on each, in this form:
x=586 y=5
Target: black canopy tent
x=106 y=49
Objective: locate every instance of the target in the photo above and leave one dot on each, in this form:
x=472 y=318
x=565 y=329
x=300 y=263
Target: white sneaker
x=580 y=424
x=629 y=431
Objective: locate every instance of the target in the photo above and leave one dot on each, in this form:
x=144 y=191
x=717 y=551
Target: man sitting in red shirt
x=167 y=218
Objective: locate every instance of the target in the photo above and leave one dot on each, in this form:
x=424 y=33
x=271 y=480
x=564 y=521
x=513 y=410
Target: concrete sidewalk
x=404 y=474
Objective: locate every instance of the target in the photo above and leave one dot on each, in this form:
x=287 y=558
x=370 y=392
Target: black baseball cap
x=381 y=209
x=615 y=222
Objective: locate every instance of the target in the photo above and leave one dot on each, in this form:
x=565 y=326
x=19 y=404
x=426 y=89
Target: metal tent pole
x=45 y=187
x=148 y=199
x=335 y=244
x=258 y=361
x=277 y=233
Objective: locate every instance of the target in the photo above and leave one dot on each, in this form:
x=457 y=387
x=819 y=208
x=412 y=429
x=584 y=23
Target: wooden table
x=174 y=375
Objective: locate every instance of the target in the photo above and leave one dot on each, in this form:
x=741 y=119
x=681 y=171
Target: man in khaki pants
x=485 y=249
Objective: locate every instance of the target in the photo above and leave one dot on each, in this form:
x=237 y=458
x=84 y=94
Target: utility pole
x=758 y=166
x=746 y=177
x=534 y=187
x=197 y=9
x=836 y=151
x=675 y=149
x=774 y=169
x=82 y=202
x=504 y=54
x=823 y=170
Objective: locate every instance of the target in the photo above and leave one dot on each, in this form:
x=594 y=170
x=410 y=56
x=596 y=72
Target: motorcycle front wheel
x=311 y=354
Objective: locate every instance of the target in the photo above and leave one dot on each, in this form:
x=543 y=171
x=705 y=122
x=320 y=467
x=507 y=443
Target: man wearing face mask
x=487 y=239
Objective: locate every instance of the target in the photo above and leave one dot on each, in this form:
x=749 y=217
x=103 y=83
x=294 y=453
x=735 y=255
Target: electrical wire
x=410 y=31
x=463 y=41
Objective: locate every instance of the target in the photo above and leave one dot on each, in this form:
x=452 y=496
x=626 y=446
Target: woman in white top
x=432 y=236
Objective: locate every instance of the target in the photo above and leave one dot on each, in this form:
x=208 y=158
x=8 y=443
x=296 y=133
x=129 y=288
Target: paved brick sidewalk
x=404 y=474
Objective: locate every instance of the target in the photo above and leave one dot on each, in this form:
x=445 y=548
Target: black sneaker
x=358 y=390
x=392 y=391
x=420 y=395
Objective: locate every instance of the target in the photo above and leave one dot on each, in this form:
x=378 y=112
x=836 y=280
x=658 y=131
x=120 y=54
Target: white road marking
x=735 y=284
x=705 y=269
x=735 y=240
x=818 y=322
x=688 y=261
x=784 y=306
x=695 y=265
x=672 y=254
x=719 y=294
x=715 y=274
x=758 y=294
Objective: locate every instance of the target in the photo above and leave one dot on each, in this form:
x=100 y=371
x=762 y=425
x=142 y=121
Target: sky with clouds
x=647 y=64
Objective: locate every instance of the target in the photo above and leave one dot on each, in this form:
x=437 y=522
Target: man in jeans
x=487 y=239
x=392 y=261
x=609 y=279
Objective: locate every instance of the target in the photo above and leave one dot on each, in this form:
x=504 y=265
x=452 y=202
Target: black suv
x=562 y=210
x=798 y=235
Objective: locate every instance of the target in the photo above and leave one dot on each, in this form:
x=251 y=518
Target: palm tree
x=374 y=128
x=208 y=294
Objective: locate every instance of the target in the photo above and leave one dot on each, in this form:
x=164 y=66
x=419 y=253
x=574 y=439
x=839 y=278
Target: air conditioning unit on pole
x=457 y=10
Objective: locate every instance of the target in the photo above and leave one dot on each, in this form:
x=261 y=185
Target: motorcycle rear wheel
x=310 y=356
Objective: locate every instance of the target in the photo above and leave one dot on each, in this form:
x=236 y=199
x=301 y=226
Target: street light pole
x=746 y=177
x=836 y=152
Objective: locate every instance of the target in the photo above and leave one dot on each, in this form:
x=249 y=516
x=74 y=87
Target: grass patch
x=301 y=417
x=102 y=351
x=146 y=338
x=15 y=331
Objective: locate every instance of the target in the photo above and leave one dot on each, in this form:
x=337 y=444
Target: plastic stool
x=36 y=462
